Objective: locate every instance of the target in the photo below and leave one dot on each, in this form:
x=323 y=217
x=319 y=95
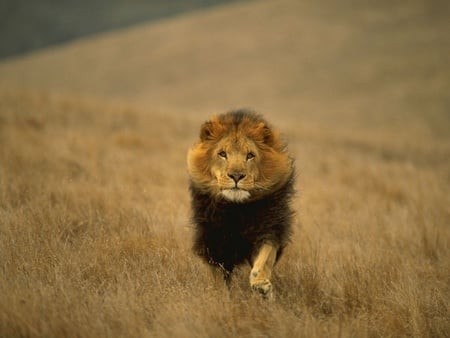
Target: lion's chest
x=241 y=220
x=231 y=233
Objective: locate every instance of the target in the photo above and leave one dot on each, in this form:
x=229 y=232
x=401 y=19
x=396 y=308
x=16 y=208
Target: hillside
x=94 y=210
x=27 y=25
x=354 y=61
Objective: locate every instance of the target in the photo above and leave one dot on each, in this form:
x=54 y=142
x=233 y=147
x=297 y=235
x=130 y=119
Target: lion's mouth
x=235 y=194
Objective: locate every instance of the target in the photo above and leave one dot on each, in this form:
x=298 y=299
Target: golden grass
x=95 y=234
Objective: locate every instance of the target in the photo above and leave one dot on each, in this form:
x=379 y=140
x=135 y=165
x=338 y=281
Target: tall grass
x=95 y=234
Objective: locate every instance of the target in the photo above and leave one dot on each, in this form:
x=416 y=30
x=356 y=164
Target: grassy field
x=95 y=234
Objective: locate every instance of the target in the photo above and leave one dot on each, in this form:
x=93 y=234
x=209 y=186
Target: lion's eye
x=250 y=156
x=223 y=154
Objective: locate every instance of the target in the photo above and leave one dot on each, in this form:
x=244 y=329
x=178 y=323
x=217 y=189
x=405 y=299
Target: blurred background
x=28 y=25
x=364 y=63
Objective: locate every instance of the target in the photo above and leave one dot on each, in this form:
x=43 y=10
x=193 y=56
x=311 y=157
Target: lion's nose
x=236 y=176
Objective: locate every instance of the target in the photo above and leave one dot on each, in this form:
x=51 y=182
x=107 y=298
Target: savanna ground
x=95 y=234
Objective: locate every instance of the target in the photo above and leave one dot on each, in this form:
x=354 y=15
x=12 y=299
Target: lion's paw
x=264 y=288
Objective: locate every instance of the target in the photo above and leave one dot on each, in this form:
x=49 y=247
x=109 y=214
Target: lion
x=241 y=185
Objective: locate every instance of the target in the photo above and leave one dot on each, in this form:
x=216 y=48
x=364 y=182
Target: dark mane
x=237 y=116
x=227 y=234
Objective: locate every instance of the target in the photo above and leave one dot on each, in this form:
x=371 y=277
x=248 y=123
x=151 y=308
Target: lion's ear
x=206 y=131
x=211 y=129
x=266 y=134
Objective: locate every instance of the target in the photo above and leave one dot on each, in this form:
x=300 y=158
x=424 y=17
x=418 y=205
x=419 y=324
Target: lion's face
x=238 y=158
x=235 y=167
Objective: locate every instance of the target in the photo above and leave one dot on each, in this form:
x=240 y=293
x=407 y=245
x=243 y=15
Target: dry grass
x=95 y=237
x=94 y=209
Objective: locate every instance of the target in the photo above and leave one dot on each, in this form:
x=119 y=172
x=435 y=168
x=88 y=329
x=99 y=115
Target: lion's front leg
x=262 y=266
